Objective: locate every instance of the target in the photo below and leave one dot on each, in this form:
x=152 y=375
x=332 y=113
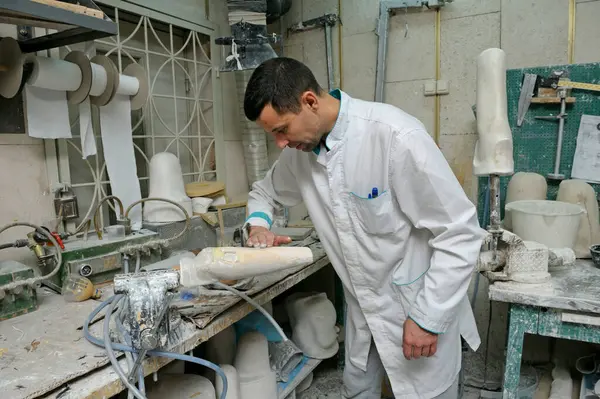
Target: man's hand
x=261 y=237
x=418 y=342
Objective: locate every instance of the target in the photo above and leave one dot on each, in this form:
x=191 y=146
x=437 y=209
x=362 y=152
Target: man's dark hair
x=279 y=82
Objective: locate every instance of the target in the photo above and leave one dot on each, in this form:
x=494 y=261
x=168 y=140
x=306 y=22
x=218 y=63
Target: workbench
x=570 y=310
x=43 y=354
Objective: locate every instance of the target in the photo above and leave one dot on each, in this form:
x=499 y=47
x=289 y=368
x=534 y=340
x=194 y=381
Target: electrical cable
x=57 y=254
x=7 y=245
x=185 y=213
x=102 y=201
x=125 y=348
x=110 y=352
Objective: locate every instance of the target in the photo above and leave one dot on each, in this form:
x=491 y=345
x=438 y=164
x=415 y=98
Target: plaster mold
x=524 y=186
x=166 y=181
x=233 y=383
x=256 y=378
x=312 y=317
x=181 y=386
x=494 y=148
x=581 y=193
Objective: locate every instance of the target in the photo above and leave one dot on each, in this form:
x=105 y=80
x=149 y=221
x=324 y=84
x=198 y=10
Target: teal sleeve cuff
x=261 y=215
x=426 y=329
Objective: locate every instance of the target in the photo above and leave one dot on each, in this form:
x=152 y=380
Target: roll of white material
x=46 y=98
x=119 y=154
x=86 y=132
x=99 y=80
x=128 y=85
x=494 y=148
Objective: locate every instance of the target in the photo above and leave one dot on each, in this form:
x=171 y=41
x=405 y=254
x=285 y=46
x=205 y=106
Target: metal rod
x=559 y=140
x=494 y=201
x=329 y=50
x=382 y=30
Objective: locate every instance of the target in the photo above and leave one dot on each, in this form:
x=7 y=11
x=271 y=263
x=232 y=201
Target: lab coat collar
x=339 y=129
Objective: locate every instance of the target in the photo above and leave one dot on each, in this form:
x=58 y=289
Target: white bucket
x=552 y=223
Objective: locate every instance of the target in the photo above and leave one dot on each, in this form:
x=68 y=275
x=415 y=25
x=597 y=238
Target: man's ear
x=310 y=99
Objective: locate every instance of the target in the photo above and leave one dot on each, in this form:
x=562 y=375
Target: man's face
x=295 y=130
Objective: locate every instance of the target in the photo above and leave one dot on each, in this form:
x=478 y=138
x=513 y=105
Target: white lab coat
x=409 y=251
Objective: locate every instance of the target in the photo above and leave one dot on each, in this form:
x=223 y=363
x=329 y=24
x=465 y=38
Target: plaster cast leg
x=359 y=384
x=493 y=151
x=581 y=193
x=524 y=186
x=236 y=263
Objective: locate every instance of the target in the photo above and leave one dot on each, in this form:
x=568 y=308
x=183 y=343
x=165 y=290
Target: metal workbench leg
x=522 y=319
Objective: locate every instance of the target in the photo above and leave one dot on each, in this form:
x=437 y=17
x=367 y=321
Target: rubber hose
x=256 y=305
x=185 y=213
x=57 y=254
x=126 y=348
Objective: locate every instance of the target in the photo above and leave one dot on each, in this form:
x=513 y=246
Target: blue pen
x=374 y=192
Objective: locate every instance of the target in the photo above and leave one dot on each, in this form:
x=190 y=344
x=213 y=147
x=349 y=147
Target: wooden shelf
x=551 y=100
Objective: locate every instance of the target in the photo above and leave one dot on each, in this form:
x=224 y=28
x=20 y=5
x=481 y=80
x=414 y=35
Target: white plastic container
x=552 y=223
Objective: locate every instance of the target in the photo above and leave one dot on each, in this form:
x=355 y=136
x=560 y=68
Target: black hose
x=8 y=245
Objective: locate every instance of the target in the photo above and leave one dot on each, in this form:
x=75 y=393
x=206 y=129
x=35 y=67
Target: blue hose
x=125 y=348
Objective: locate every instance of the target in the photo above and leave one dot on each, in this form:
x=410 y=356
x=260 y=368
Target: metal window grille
x=178 y=116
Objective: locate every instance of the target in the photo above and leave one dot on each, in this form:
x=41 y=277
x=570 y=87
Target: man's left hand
x=418 y=342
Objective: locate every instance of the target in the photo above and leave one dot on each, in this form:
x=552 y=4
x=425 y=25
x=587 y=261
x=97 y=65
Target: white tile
x=587 y=31
x=411 y=53
x=236 y=179
x=467 y=8
x=408 y=96
x=359 y=16
x=535 y=32
x=359 y=67
x=463 y=40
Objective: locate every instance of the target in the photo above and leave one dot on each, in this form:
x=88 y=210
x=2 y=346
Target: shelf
x=74 y=23
x=305 y=368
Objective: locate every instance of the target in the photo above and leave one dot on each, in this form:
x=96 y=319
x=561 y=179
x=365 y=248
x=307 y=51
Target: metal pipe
x=561 y=127
x=329 y=51
x=494 y=201
x=382 y=30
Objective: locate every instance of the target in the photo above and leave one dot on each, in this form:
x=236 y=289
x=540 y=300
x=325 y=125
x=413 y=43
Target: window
x=179 y=116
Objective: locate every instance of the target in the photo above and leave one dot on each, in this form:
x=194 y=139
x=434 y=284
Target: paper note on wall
x=119 y=154
x=586 y=162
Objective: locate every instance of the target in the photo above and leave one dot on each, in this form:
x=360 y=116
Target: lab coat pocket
x=375 y=215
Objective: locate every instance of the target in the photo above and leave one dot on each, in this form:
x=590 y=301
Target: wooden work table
x=570 y=309
x=44 y=354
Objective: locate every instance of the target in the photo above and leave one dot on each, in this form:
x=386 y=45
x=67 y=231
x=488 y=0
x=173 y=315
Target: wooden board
x=551 y=100
x=72 y=7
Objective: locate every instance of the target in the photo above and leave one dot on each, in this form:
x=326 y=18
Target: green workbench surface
x=569 y=310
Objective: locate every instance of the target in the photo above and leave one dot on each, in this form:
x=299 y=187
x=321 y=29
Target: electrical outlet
x=429 y=88
x=442 y=87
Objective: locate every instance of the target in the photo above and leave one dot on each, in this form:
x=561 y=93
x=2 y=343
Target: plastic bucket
x=552 y=223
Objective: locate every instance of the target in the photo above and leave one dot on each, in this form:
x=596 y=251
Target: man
x=394 y=221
